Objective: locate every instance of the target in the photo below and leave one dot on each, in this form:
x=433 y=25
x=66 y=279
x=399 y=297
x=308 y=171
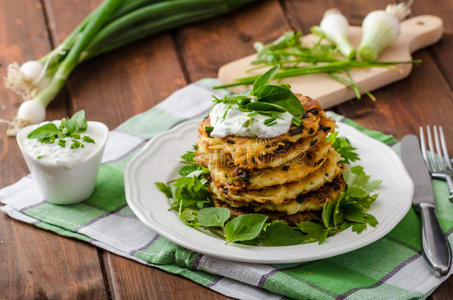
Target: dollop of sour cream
x=58 y=156
x=233 y=123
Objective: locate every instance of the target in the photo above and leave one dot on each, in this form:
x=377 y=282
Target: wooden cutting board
x=416 y=33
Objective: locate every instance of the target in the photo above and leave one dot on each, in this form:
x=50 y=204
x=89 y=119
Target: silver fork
x=437 y=160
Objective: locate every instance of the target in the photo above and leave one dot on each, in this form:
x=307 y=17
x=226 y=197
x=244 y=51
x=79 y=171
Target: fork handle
x=435 y=244
x=450 y=187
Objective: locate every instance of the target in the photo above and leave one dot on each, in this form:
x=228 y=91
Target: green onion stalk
x=329 y=68
x=114 y=23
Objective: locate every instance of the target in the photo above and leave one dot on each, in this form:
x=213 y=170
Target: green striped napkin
x=391 y=268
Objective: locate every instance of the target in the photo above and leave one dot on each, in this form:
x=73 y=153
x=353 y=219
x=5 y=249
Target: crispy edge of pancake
x=235 y=178
x=273 y=216
x=271 y=160
x=282 y=193
x=246 y=151
x=311 y=201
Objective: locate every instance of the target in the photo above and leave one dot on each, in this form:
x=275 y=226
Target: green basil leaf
x=279 y=234
x=213 y=216
x=188 y=216
x=164 y=189
x=272 y=93
x=77 y=123
x=265 y=107
x=244 y=228
x=45 y=131
x=264 y=79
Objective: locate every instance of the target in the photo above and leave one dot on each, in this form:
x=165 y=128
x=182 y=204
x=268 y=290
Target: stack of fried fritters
x=288 y=177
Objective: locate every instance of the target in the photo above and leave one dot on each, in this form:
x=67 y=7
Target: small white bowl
x=62 y=185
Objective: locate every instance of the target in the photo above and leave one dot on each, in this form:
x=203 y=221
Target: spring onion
x=335 y=26
x=381 y=28
x=112 y=24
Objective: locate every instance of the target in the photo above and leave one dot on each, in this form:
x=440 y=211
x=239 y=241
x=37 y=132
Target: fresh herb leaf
x=270 y=121
x=279 y=234
x=77 y=123
x=189 y=216
x=213 y=216
x=208 y=129
x=343 y=146
x=186 y=170
x=76 y=144
x=87 y=139
x=164 y=189
x=61 y=143
x=188 y=157
x=314 y=231
x=264 y=79
x=244 y=228
x=45 y=131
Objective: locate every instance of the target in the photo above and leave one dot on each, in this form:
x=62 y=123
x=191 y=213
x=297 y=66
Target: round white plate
x=159 y=161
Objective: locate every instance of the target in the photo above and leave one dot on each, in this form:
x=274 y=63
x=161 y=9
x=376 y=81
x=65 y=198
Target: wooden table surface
x=35 y=264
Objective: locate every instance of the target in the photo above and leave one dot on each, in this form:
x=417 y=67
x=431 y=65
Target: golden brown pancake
x=311 y=201
x=235 y=178
x=301 y=209
x=206 y=157
x=280 y=193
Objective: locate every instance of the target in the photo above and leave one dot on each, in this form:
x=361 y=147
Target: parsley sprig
x=343 y=146
x=265 y=99
x=190 y=199
x=69 y=128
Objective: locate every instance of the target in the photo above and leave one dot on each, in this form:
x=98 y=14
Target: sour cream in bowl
x=64 y=166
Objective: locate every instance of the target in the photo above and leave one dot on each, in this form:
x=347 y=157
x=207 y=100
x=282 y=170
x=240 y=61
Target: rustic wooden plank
x=208 y=45
x=440 y=51
x=111 y=89
x=425 y=97
x=34 y=263
x=135 y=281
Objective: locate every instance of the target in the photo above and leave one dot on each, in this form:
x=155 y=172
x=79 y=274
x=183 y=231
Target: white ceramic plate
x=159 y=161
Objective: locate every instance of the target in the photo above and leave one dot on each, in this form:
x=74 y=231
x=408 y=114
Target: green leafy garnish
x=213 y=216
x=164 y=189
x=244 y=228
x=77 y=123
x=76 y=144
x=280 y=234
x=349 y=210
x=44 y=133
x=265 y=99
x=87 y=139
x=62 y=143
x=72 y=128
x=343 y=147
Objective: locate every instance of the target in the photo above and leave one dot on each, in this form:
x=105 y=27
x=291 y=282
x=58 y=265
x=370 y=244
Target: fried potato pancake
x=311 y=201
x=247 y=152
x=206 y=157
x=281 y=193
x=235 y=178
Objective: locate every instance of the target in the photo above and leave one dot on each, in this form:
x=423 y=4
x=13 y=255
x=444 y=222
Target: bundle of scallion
x=112 y=24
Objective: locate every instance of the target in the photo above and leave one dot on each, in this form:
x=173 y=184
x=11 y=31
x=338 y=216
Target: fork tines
x=437 y=159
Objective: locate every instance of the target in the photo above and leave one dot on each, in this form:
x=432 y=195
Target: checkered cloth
x=391 y=268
